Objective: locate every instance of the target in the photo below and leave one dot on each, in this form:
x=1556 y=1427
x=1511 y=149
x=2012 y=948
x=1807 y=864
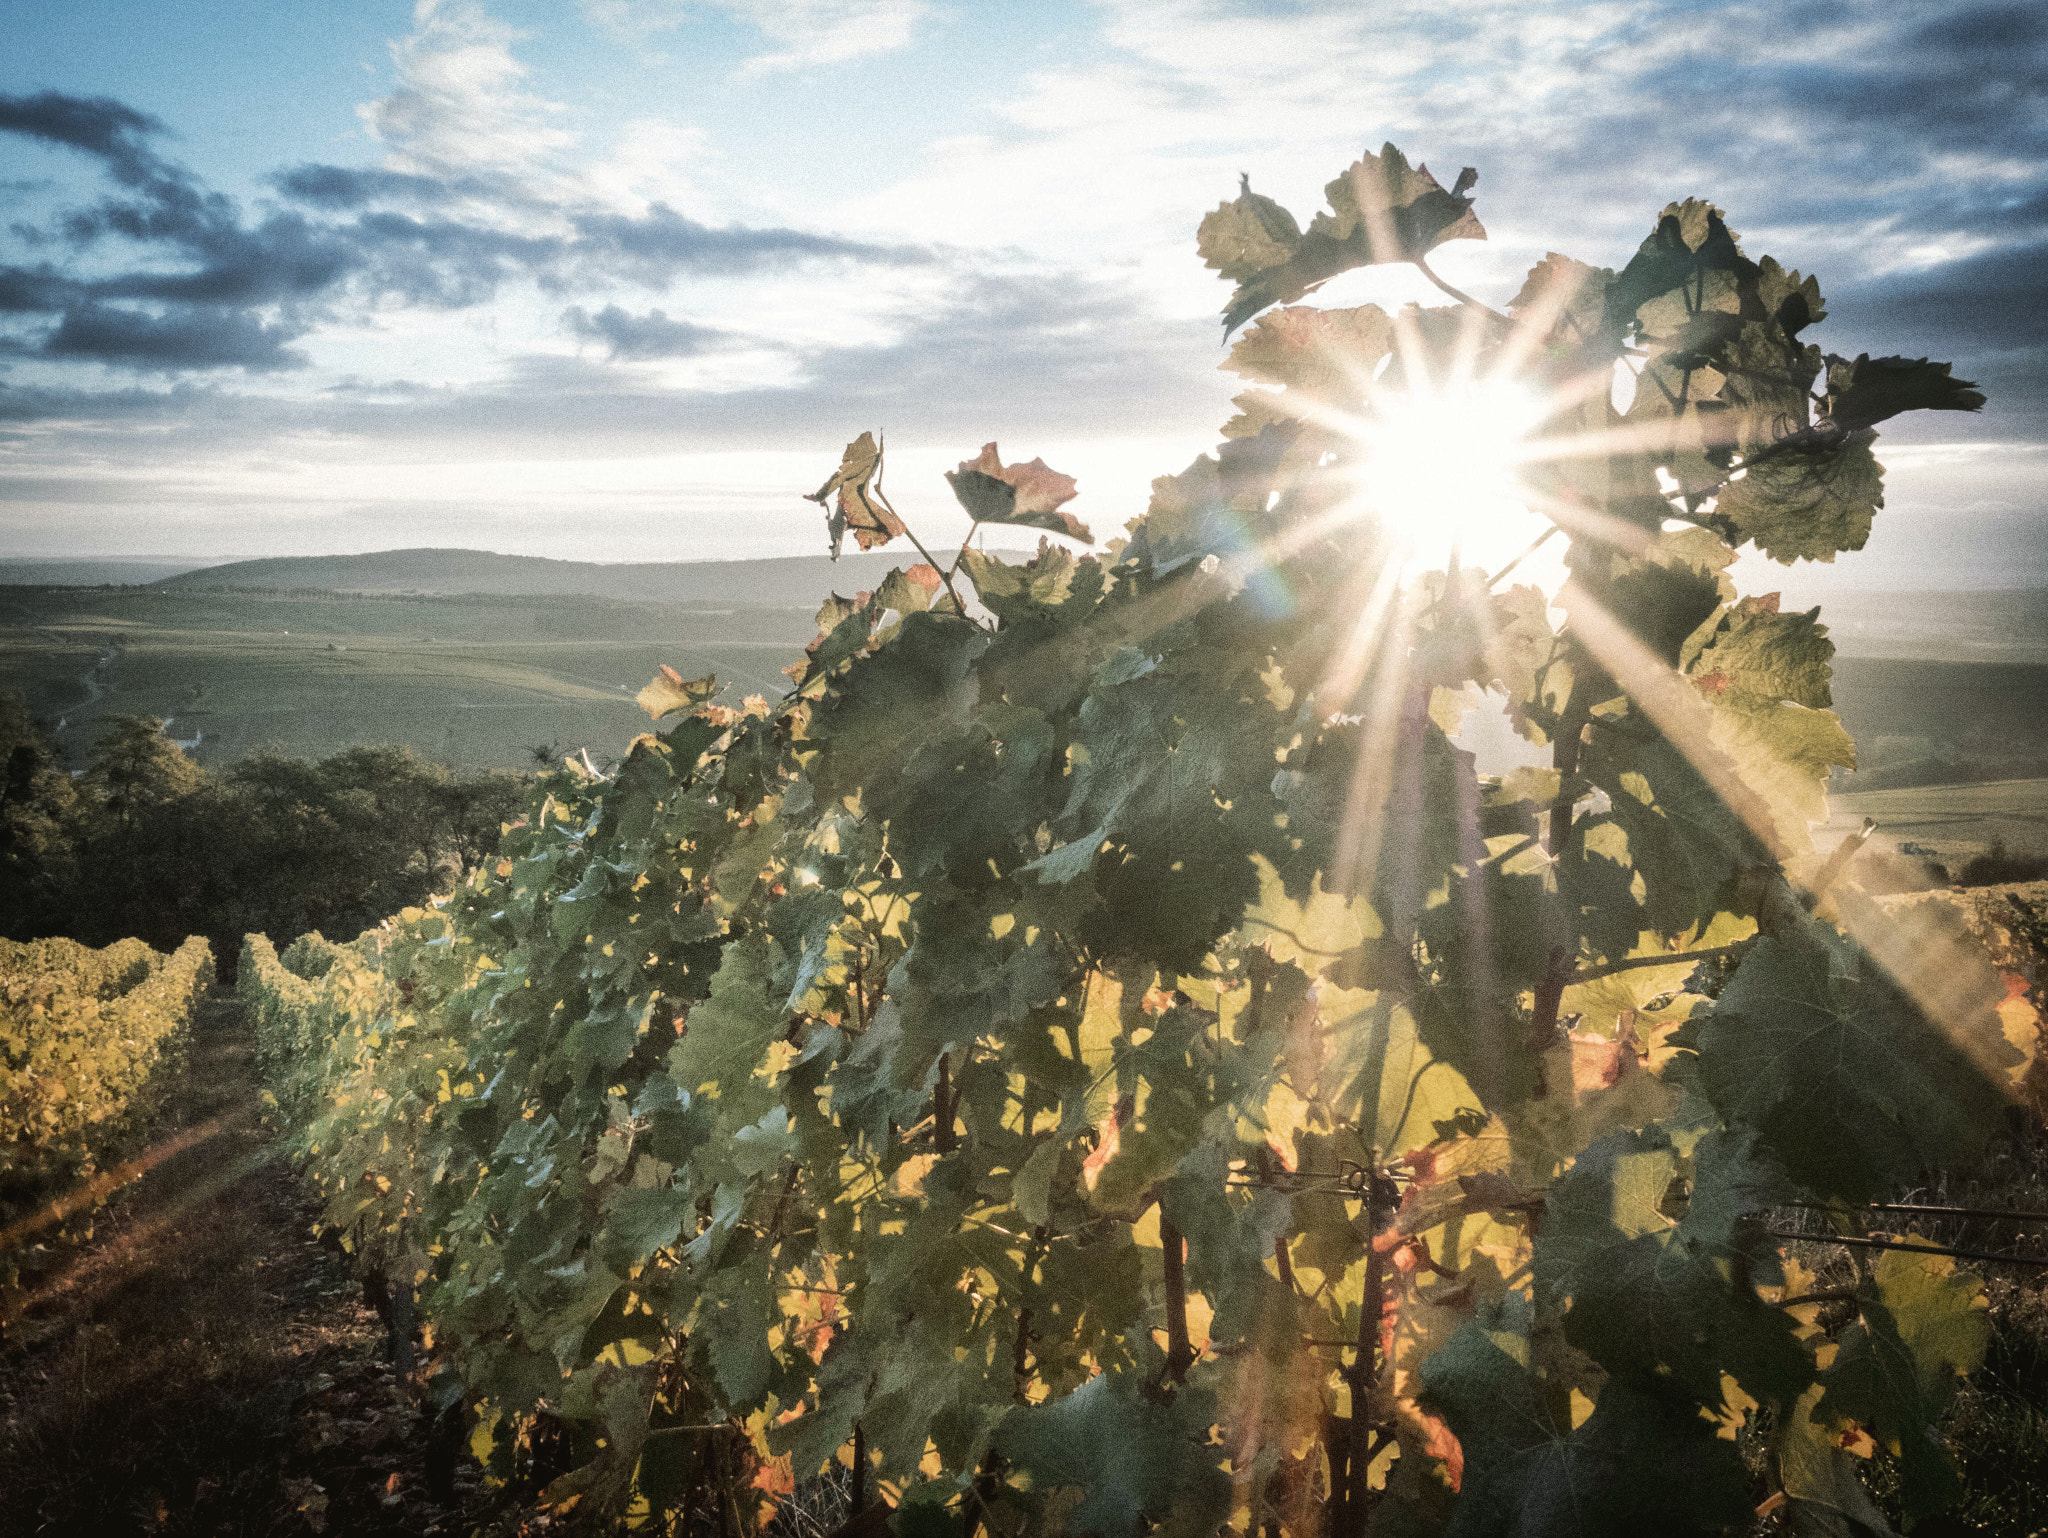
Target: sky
x=615 y=279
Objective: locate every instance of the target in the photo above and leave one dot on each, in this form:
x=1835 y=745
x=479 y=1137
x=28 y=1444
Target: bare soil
x=202 y=1364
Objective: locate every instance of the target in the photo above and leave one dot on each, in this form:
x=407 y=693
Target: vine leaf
x=1028 y=495
x=1389 y=212
x=1526 y=1476
x=1135 y=1457
x=1800 y=506
x=1900 y=1365
x=669 y=692
x=857 y=507
x=1565 y=285
x=1820 y=1476
x=1867 y=390
x=1381 y=210
x=1848 y=1082
x=1792 y=301
x=1668 y=1301
x=1331 y=353
x=1245 y=236
x=1762 y=655
x=909 y=591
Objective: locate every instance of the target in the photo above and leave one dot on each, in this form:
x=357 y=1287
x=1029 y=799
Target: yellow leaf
x=668 y=691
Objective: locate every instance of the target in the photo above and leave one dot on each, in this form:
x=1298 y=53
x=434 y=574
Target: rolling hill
x=801 y=580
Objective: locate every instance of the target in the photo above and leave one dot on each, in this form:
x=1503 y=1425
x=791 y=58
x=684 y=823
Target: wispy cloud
x=641 y=337
x=459 y=107
x=804 y=33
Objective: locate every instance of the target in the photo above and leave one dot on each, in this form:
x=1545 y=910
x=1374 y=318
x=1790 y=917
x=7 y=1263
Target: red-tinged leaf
x=1443 y=1444
x=1025 y=494
x=859 y=506
x=1108 y=1135
x=910 y=590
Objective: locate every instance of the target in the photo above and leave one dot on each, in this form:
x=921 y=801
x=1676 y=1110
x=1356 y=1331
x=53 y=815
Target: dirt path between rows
x=202 y=1365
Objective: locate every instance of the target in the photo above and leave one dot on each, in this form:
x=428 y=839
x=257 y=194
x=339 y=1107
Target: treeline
x=146 y=843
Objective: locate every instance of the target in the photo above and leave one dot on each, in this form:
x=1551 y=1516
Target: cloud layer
x=995 y=242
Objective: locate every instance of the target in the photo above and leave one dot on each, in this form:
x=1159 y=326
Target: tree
x=135 y=766
x=37 y=812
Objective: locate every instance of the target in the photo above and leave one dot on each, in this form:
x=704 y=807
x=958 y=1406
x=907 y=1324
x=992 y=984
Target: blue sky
x=615 y=279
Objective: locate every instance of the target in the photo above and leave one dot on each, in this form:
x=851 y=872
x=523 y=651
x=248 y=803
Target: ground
x=202 y=1365
x=1948 y=823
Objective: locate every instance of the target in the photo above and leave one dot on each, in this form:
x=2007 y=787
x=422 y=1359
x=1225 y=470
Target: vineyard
x=1096 y=1056
x=82 y=1035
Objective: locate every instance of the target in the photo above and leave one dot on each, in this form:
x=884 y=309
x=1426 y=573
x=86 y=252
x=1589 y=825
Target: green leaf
x=1902 y=1362
x=1135 y=1457
x=1073 y=858
x=1848 y=1082
x=1381 y=210
x=1659 y=1300
x=1792 y=301
x=1012 y=588
x=727 y=1033
x=1755 y=655
x=909 y=591
x=1527 y=1477
x=763 y=1145
x=1024 y=494
x=1820 y=1476
x=645 y=1220
x=734 y=1313
x=1800 y=506
x=1866 y=391
x=1247 y=235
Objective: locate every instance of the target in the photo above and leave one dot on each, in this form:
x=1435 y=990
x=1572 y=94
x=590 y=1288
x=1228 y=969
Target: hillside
x=1922 y=721
x=785 y=580
x=1988 y=625
x=91 y=570
x=472 y=681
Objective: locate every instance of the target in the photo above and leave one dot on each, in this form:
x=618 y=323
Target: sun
x=1441 y=469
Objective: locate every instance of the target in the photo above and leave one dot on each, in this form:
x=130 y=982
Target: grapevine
x=84 y=1035
x=1095 y=1055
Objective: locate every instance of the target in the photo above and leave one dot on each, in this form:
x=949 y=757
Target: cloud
x=458 y=107
x=343 y=188
x=1020 y=355
x=100 y=126
x=168 y=273
x=808 y=33
x=196 y=337
x=638 y=338
x=653 y=247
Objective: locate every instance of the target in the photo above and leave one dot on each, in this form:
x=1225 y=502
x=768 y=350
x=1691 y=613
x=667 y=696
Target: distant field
x=471 y=681
x=478 y=679
x=1951 y=822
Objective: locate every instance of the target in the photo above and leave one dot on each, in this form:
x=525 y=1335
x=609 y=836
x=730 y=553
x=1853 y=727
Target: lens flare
x=1441 y=469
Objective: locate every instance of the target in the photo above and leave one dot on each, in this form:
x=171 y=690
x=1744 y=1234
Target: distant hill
x=90 y=571
x=1987 y=625
x=797 y=580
